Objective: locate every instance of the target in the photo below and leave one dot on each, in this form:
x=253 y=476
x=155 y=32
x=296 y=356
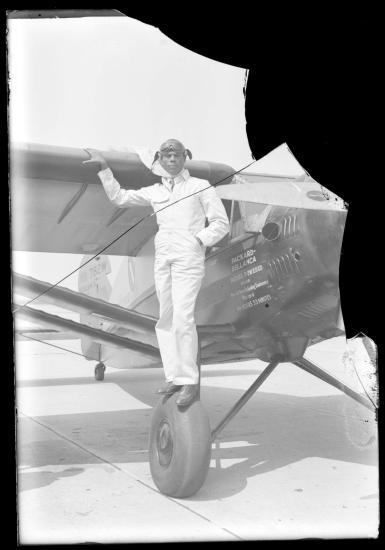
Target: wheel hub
x=164 y=443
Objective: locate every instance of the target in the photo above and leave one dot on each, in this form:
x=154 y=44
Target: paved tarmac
x=300 y=459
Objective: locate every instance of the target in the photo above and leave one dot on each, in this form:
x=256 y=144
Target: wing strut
x=82 y=303
x=302 y=363
x=97 y=335
x=316 y=371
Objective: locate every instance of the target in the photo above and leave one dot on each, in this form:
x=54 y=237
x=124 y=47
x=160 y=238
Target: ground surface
x=300 y=460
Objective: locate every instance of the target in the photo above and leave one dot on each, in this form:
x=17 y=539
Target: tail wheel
x=180 y=447
x=99 y=371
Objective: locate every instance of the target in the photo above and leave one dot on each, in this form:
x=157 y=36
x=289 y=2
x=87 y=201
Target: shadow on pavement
x=35 y=480
x=279 y=429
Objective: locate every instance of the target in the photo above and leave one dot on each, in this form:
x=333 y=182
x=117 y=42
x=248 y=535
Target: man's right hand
x=96 y=161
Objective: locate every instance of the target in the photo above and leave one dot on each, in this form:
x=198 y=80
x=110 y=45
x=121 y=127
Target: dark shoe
x=168 y=388
x=188 y=394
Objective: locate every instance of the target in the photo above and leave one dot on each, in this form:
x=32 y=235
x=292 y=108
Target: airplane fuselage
x=278 y=287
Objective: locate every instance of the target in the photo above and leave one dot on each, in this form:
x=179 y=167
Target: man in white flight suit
x=179 y=255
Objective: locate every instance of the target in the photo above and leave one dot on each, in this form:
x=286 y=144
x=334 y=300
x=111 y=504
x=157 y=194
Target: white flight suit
x=179 y=259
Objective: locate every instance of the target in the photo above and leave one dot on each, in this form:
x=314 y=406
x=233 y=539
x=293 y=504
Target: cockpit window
x=235 y=219
x=245 y=217
x=237 y=223
x=253 y=215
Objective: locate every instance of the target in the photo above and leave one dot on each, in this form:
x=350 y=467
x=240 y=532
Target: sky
x=115 y=82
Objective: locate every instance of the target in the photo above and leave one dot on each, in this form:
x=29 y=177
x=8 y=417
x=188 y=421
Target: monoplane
x=270 y=289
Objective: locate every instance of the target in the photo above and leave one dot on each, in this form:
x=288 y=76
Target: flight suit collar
x=182 y=176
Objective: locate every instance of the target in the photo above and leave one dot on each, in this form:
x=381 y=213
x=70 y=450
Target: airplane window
x=244 y=217
x=237 y=225
x=232 y=213
x=236 y=222
x=227 y=204
x=253 y=215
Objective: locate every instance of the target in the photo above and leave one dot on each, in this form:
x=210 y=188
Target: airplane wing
x=139 y=325
x=99 y=336
x=62 y=297
x=57 y=205
x=287 y=192
x=28 y=331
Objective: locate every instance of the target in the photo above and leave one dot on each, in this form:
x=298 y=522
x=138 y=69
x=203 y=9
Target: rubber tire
x=99 y=371
x=191 y=452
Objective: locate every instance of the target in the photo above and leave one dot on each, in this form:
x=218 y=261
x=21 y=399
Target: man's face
x=173 y=162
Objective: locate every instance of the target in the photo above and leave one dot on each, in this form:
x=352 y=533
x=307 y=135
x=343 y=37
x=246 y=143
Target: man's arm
x=216 y=215
x=119 y=197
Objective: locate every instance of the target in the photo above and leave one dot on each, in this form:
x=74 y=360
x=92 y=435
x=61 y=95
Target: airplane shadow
x=36 y=480
x=287 y=430
x=272 y=431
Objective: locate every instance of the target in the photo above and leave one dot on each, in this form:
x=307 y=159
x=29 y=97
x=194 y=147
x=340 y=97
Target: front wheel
x=180 y=447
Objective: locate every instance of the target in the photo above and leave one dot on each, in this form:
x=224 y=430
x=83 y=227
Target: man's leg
x=187 y=275
x=163 y=328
